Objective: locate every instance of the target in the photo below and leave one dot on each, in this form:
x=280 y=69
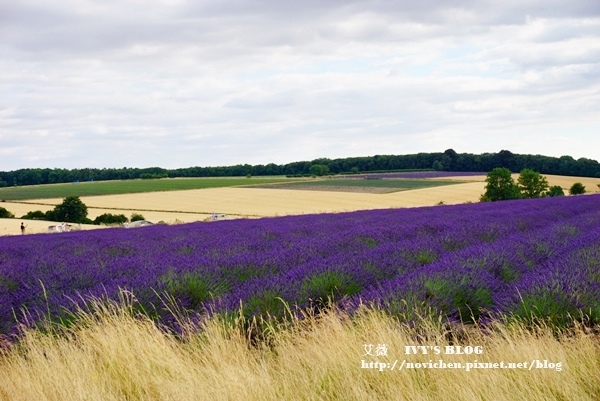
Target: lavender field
x=532 y=259
x=416 y=175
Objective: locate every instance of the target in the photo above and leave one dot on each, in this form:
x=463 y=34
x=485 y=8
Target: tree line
x=530 y=184
x=442 y=161
x=73 y=210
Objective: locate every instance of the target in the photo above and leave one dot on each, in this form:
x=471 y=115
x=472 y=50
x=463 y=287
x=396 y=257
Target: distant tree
x=5 y=214
x=136 y=217
x=577 y=189
x=500 y=186
x=437 y=166
x=532 y=184
x=49 y=215
x=71 y=210
x=568 y=166
x=448 y=159
x=319 y=169
x=37 y=215
x=555 y=190
x=109 y=218
x=153 y=176
x=507 y=159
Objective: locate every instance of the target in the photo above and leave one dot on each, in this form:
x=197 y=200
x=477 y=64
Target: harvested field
x=371 y=186
x=128 y=186
x=251 y=202
x=261 y=202
x=449 y=195
x=12 y=226
x=591 y=184
x=20 y=209
x=153 y=216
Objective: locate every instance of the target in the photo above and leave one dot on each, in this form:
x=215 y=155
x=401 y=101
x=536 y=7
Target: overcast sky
x=178 y=83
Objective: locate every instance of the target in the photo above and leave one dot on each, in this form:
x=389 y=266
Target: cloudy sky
x=180 y=83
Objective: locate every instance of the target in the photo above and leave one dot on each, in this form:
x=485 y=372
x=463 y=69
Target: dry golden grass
x=451 y=194
x=591 y=184
x=111 y=356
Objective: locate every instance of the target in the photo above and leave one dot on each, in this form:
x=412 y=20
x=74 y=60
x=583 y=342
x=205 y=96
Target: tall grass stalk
x=114 y=354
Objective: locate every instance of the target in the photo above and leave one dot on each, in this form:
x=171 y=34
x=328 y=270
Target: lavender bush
x=534 y=259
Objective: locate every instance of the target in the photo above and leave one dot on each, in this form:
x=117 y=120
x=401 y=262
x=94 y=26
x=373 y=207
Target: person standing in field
x=23 y=228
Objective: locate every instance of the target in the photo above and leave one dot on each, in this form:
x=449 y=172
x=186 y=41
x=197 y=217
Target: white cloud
x=176 y=84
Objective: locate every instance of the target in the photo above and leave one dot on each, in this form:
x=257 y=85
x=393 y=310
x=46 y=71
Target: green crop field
x=361 y=185
x=128 y=186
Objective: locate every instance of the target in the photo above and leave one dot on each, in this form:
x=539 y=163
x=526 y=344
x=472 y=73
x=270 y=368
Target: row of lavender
x=416 y=175
x=526 y=257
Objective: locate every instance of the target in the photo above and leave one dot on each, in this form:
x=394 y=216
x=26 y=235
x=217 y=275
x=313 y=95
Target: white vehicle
x=59 y=228
x=217 y=216
x=139 y=223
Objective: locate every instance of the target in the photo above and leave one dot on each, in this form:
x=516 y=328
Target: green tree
x=71 y=210
x=437 y=166
x=36 y=215
x=500 y=186
x=555 y=190
x=109 y=218
x=319 y=169
x=5 y=214
x=577 y=189
x=532 y=184
x=136 y=217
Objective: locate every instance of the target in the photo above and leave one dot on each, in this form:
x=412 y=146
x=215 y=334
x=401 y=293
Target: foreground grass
x=127 y=187
x=110 y=355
